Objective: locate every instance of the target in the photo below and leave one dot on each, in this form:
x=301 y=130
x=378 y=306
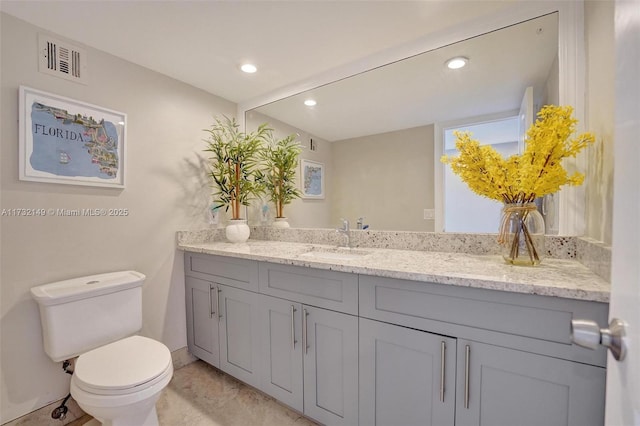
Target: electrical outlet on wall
x=429 y=214
x=213 y=213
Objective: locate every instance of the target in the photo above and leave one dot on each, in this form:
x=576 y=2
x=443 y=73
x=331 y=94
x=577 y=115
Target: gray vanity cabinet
x=349 y=349
x=281 y=330
x=310 y=345
x=514 y=361
x=295 y=346
x=223 y=328
x=330 y=366
x=401 y=373
x=223 y=313
x=240 y=334
x=501 y=386
x=310 y=360
x=202 y=320
x=407 y=377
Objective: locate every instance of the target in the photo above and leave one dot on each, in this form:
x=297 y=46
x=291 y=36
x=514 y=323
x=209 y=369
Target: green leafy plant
x=233 y=163
x=278 y=172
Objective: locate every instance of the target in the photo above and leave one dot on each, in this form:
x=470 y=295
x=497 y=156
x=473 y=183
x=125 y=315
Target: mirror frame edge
x=571 y=64
x=572 y=69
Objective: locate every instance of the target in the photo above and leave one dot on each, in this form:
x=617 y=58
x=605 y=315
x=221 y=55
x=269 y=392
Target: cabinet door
x=330 y=366
x=499 y=386
x=239 y=321
x=407 y=377
x=281 y=331
x=202 y=320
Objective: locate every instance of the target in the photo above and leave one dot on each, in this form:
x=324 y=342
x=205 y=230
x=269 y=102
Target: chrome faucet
x=346 y=231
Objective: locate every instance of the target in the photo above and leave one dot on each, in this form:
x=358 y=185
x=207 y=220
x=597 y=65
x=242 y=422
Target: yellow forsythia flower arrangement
x=536 y=172
x=520 y=179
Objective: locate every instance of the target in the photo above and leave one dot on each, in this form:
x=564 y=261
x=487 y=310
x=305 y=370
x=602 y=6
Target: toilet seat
x=126 y=366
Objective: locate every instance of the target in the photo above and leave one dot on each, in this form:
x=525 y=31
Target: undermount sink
x=338 y=253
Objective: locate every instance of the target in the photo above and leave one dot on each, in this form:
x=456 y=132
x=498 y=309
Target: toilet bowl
x=119 y=383
x=118 y=376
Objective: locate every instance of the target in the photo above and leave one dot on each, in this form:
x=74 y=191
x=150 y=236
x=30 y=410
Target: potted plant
x=233 y=167
x=280 y=163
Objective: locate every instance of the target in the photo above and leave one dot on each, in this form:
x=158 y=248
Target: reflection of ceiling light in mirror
x=310 y=102
x=457 y=62
x=249 y=68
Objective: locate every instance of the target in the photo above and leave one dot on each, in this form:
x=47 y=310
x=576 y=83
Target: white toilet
x=118 y=376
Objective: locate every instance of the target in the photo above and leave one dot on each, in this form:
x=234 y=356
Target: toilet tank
x=84 y=313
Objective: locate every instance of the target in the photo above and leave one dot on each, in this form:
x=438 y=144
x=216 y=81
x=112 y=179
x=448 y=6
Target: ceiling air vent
x=62 y=59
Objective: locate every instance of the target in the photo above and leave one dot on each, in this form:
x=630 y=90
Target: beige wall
x=301 y=213
x=388 y=178
x=166 y=191
x=600 y=48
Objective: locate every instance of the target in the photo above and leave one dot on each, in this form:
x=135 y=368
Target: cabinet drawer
x=333 y=290
x=240 y=273
x=419 y=305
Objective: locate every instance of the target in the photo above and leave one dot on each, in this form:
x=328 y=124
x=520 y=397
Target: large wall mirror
x=378 y=133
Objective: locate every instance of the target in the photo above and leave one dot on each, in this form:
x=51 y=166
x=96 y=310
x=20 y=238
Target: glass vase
x=522 y=234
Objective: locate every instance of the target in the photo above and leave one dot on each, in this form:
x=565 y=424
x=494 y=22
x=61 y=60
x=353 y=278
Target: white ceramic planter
x=281 y=222
x=237 y=231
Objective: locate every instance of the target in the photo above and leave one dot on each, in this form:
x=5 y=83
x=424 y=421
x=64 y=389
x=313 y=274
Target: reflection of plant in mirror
x=520 y=179
x=280 y=159
x=233 y=163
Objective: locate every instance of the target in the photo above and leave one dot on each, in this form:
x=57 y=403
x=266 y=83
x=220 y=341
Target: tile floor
x=200 y=395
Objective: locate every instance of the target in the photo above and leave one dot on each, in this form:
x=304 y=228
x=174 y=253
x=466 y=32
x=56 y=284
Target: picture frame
x=65 y=141
x=312 y=179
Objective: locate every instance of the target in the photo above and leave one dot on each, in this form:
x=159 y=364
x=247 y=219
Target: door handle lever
x=589 y=335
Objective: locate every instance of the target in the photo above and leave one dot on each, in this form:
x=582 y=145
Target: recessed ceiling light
x=249 y=68
x=310 y=102
x=457 y=62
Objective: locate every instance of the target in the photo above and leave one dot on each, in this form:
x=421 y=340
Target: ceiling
x=202 y=43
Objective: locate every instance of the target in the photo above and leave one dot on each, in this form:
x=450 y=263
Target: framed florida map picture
x=70 y=142
x=312 y=181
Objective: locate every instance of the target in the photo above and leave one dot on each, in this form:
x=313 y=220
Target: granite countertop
x=554 y=277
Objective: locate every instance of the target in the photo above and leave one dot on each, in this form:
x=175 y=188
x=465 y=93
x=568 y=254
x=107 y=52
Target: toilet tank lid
x=84 y=287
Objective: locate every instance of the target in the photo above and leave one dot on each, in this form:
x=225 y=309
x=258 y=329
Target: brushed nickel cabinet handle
x=305 y=342
x=443 y=348
x=211 y=311
x=293 y=328
x=218 y=302
x=467 y=359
